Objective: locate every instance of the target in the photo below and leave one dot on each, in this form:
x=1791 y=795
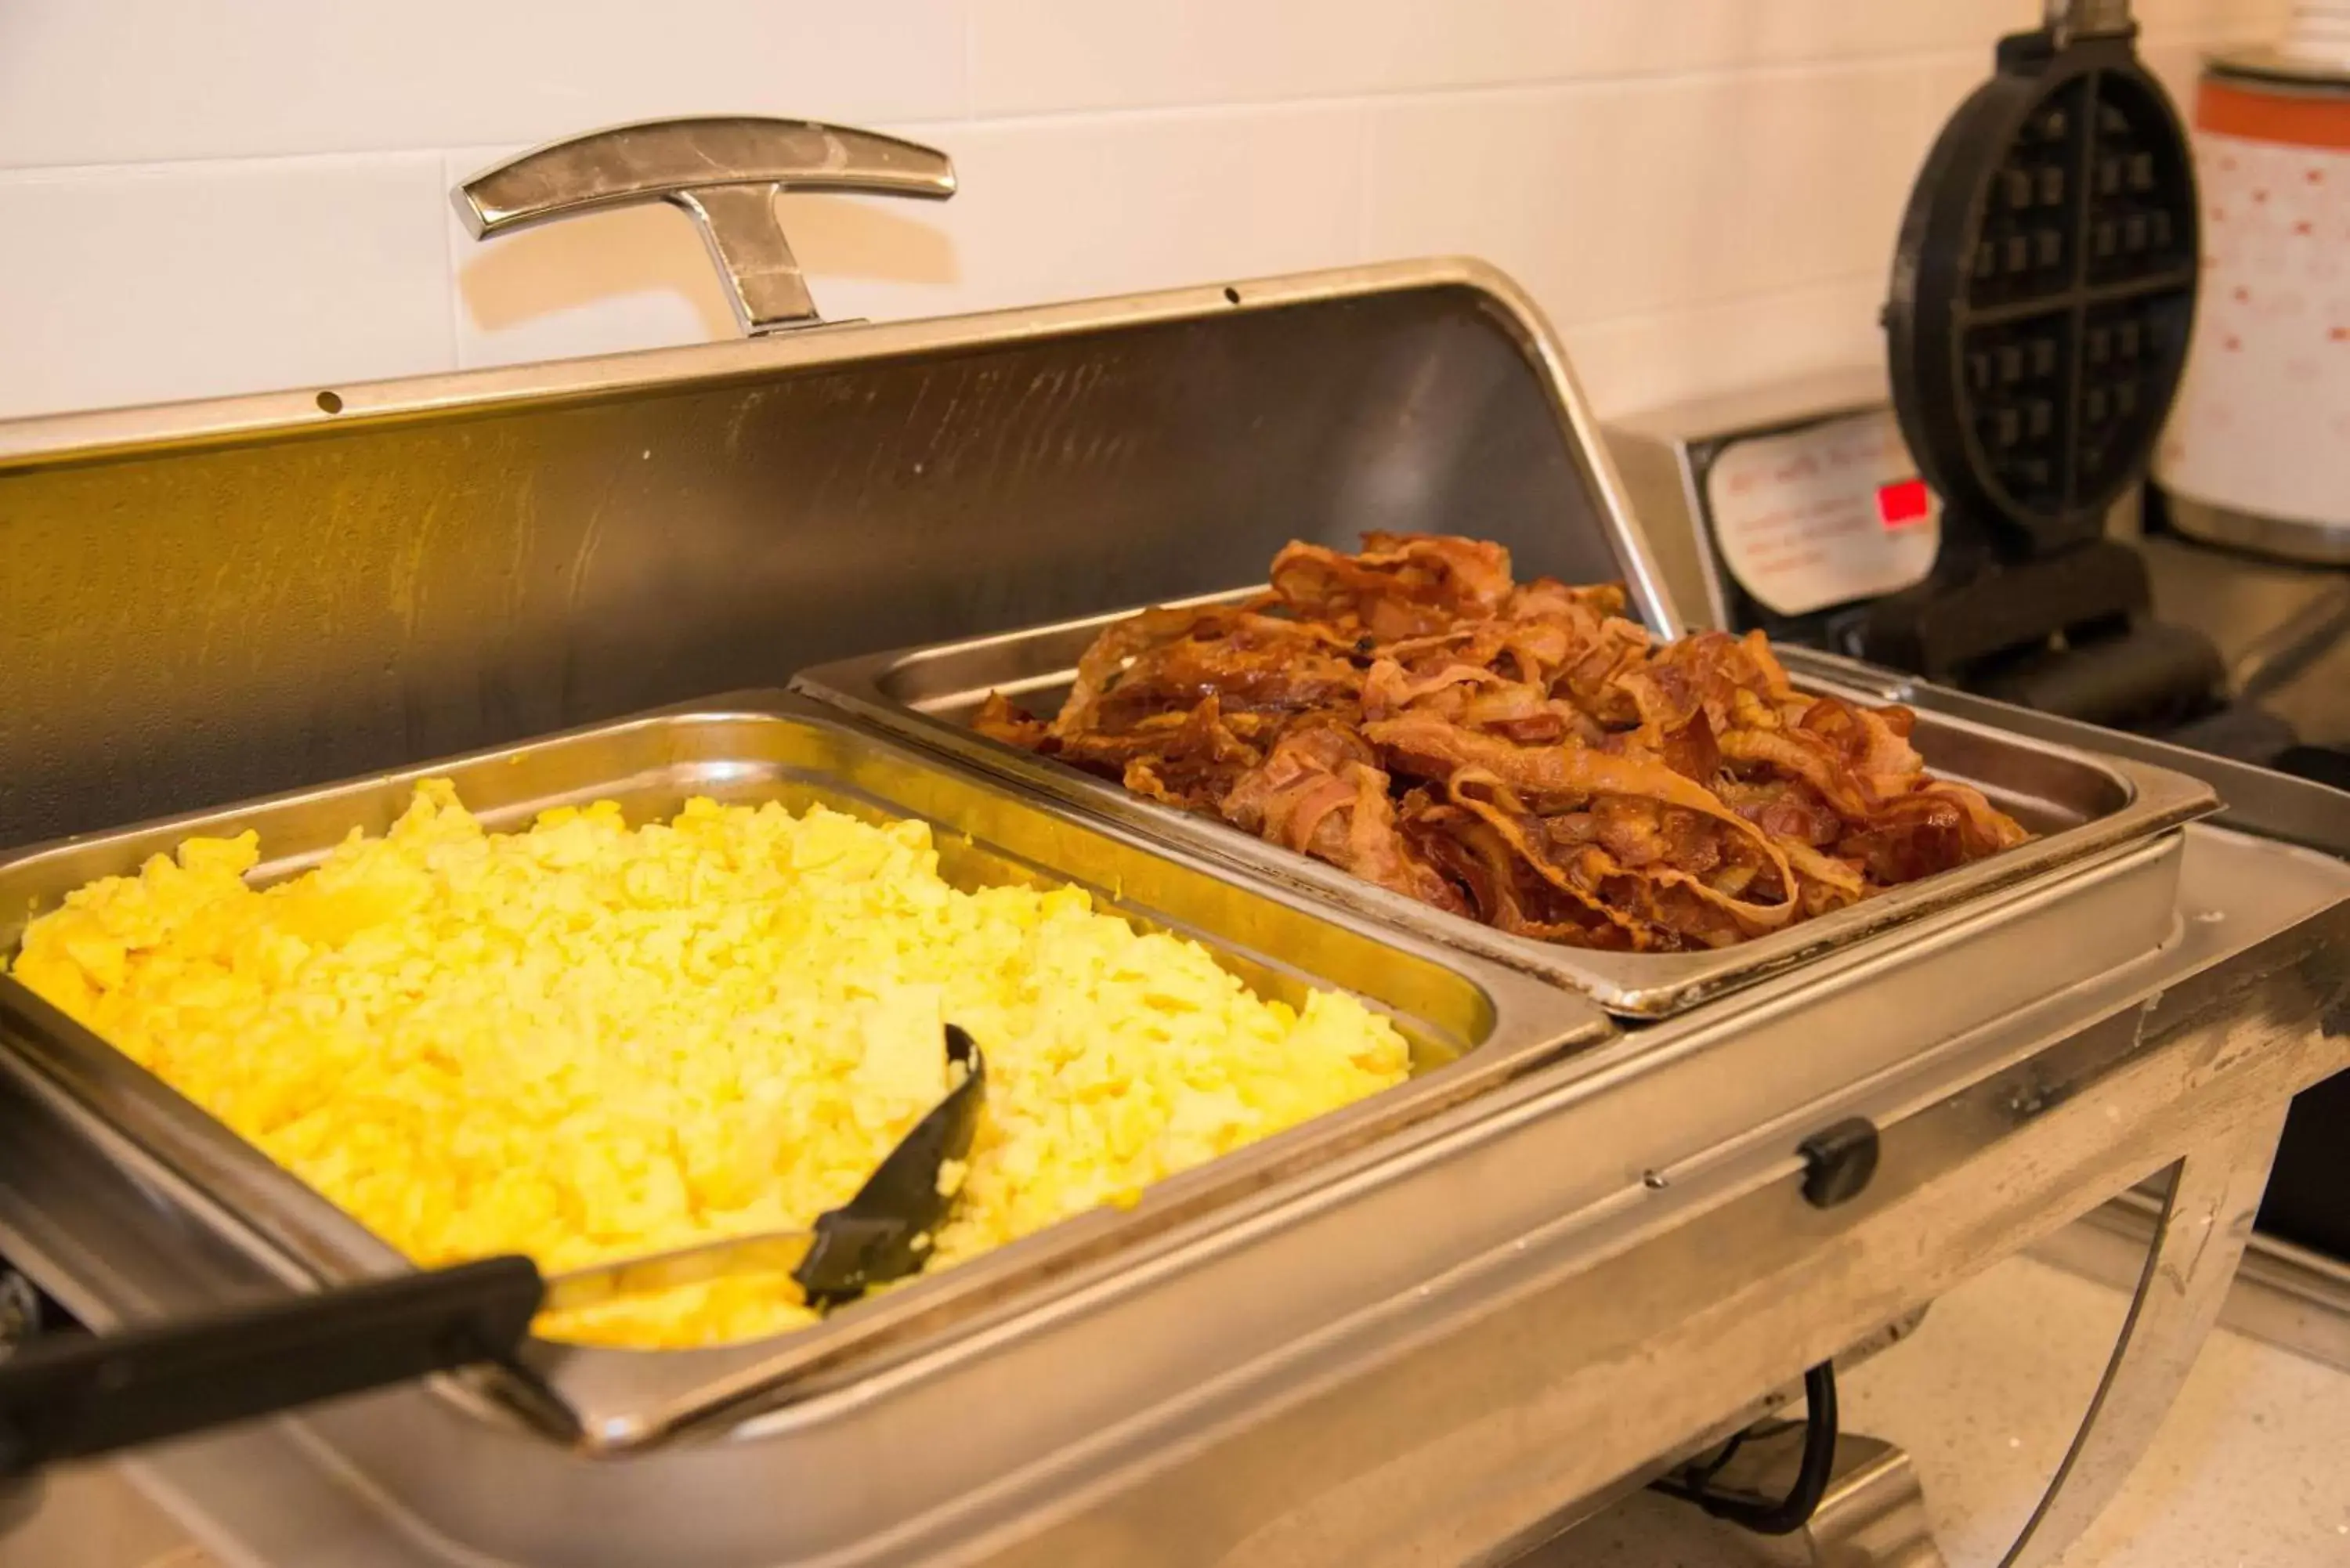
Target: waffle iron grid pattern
x=2071 y=327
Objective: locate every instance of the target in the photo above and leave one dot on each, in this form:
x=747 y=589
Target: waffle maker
x=2037 y=326
x=2042 y=290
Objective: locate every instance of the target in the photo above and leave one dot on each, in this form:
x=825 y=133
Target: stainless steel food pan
x=2078 y=804
x=1472 y=1026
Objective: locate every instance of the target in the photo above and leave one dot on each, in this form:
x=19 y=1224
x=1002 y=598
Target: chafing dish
x=1435 y=1343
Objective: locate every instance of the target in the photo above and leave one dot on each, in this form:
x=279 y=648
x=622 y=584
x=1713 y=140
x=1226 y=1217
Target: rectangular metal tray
x=1472 y=1026
x=2076 y=803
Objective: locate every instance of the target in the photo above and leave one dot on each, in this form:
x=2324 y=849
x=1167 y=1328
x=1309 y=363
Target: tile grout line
x=1810 y=65
x=1683 y=308
x=453 y=295
x=1502 y=87
x=970 y=60
x=189 y=1556
x=1818 y=67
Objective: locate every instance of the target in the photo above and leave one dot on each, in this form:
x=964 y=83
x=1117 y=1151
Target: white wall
x=208 y=197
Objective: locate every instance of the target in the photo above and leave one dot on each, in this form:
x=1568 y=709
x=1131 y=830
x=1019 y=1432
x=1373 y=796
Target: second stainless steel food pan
x=1472 y=1026
x=2076 y=803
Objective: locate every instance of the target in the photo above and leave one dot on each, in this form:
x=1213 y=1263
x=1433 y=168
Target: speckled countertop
x=2251 y=1470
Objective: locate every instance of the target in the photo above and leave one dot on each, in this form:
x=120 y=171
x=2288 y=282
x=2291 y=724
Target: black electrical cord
x=1693 y=1483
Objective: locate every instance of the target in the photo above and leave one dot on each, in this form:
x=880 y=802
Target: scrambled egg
x=588 y=1042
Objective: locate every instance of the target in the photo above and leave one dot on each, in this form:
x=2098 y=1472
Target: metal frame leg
x=2215 y=1191
x=1872 y=1515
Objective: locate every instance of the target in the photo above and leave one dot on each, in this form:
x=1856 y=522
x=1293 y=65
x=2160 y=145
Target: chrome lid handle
x=726 y=173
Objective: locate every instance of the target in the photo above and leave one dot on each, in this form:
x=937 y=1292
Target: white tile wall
x=208 y=197
x=1627 y=198
x=183 y=280
x=1152 y=199
x=1645 y=361
x=121 y=82
x=1031 y=55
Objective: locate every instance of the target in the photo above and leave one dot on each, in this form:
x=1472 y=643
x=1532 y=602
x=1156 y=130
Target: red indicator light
x=1902 y=503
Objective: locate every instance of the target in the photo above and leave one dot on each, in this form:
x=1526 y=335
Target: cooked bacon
x=998 y=719
x=1105 y=663
x=1400 y=585
x=1322 y=793
x=1188 y=758
x=1388 y=688
x=1519 y=753
x=1934 y=827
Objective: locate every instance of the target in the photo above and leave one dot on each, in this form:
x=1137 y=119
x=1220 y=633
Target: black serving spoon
x=74 y=1396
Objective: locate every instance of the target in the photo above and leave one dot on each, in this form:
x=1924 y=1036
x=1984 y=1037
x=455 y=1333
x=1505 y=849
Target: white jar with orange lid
x=2257 y=452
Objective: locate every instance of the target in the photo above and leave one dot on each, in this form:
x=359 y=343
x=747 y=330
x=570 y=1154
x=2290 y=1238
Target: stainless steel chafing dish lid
x=215 y=600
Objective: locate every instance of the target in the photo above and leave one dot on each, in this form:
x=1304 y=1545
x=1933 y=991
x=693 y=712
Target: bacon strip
x=1518 y=753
